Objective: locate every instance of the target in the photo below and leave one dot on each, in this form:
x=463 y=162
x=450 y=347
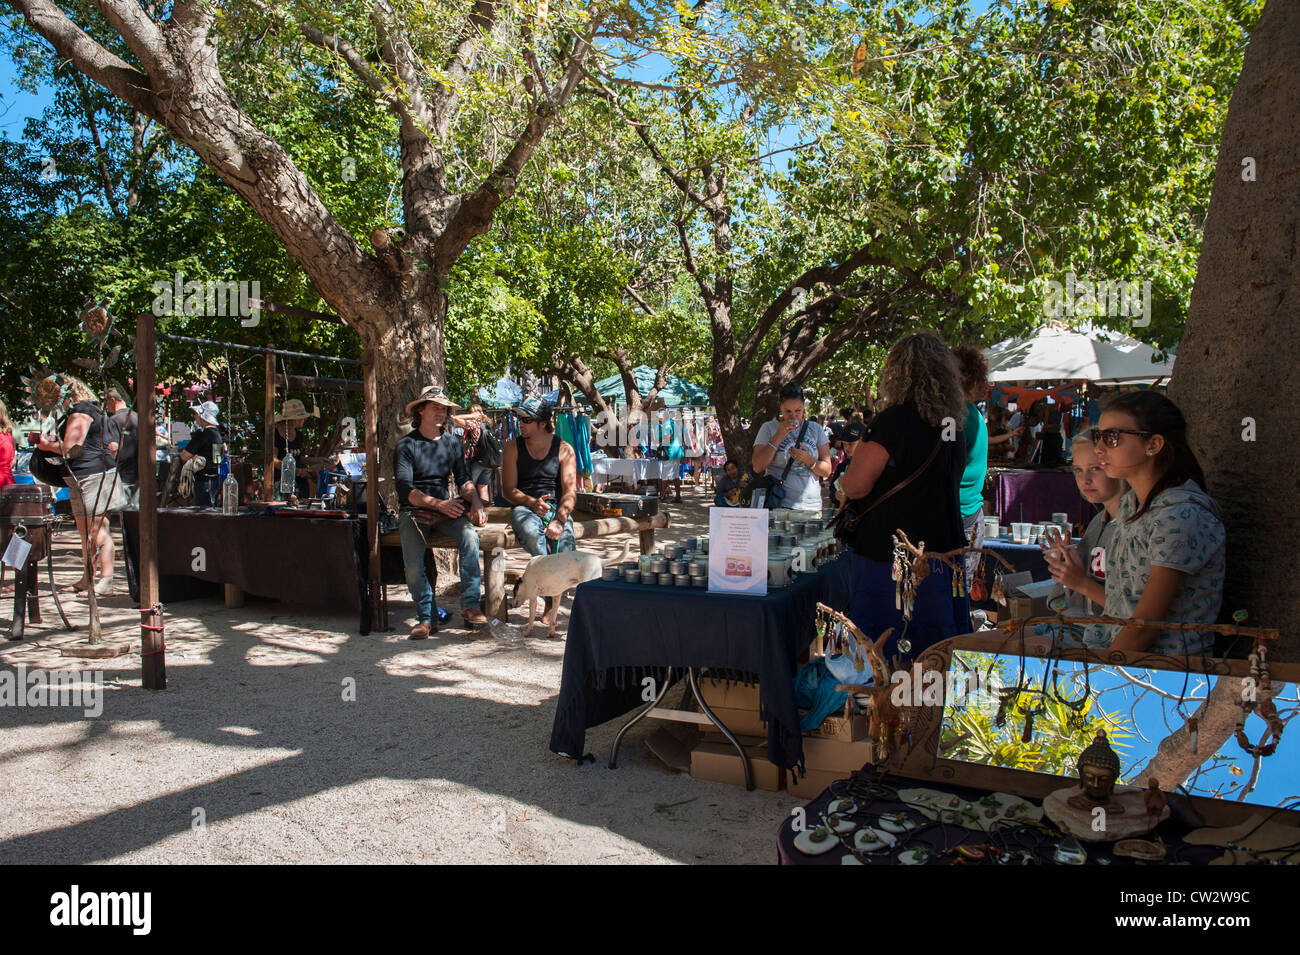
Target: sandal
x=72 y=589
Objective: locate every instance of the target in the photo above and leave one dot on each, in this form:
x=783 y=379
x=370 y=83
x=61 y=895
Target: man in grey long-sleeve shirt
x=422 y=464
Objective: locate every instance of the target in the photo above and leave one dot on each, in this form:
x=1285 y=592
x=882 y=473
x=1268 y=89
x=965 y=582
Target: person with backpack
x=482 y=448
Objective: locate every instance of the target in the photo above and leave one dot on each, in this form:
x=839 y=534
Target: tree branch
x=72 y=43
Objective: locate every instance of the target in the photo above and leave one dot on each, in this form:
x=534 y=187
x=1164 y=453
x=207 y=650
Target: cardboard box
x=720 y=763
x=844 y=730
x=735 y=704
x=829 y=755
x=729 y=696
x=740 y=722
x=813 y=784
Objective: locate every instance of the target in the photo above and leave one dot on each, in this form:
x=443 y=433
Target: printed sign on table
x=738 y=550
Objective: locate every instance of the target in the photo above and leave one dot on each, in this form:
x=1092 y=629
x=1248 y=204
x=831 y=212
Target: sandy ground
x=252 y=754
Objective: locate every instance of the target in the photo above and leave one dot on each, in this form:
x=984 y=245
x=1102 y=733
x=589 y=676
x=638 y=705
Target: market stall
x=316 y=562
x=621 y=632
x=927 y=793
x=1035 y=495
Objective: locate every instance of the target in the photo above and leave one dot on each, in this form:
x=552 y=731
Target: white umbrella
x=1053 y=352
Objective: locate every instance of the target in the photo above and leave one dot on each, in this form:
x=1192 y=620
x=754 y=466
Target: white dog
x=550 y=575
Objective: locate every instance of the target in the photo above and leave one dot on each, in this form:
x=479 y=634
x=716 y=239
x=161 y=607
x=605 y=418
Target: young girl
x=1166 y=561
x=1080 y=571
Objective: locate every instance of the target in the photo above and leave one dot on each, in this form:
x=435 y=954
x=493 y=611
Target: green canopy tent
x=675 y=393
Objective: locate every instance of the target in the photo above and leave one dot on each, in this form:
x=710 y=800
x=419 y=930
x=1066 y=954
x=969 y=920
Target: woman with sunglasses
x=1166 y=561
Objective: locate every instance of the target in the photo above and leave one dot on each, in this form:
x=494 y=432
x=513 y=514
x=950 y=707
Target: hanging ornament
x=859 y=59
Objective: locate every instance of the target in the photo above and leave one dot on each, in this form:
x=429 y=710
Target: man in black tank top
x=539 y=477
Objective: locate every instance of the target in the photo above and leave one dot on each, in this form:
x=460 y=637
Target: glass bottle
x=230 y=495
x=288 y=477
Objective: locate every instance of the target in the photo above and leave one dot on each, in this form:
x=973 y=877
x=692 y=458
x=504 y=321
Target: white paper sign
x=738 y=550
x=16 y=553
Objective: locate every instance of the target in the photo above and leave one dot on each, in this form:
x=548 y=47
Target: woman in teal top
x=970 y=495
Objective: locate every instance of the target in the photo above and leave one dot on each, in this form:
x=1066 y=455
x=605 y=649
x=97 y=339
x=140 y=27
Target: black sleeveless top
x=535 y=477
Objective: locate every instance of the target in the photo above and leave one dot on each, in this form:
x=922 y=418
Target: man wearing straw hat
x=288 y=439
x=422 y=464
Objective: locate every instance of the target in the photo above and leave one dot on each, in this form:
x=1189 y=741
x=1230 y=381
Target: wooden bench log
x=497 y=533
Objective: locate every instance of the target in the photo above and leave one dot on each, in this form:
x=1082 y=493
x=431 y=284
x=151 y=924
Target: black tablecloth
x=620 y=632
x=939 y=838
x=312 y=561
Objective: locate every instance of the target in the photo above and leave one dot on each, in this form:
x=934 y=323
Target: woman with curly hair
x=906 y=475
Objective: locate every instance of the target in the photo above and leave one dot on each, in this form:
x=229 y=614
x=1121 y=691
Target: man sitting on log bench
x=422 y=463
x=539 y=477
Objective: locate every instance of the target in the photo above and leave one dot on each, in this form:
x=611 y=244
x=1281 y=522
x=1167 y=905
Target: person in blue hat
x=539 y=477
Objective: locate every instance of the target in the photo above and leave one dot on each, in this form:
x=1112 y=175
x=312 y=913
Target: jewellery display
x=1141 y=849
x=1261 y=702
x=815 y=842
x=868 y=839
x=1069 y=852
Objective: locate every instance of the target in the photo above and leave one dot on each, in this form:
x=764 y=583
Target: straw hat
x=293 y=410
x=434 y=394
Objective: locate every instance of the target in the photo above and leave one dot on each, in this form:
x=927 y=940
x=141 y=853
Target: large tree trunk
x=1236 y=367
x=410 y=349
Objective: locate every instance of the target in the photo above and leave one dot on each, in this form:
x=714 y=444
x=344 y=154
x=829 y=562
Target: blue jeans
x=414 y=538
x=936 y=615
x=531 y=531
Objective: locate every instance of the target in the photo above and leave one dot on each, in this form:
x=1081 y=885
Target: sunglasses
x=1110 y=436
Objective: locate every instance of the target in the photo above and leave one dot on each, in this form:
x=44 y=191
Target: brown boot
x=473 y=617
x=420 y=631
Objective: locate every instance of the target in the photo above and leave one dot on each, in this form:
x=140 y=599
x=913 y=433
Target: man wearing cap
x=846 y=438
x=539 y=477
x=123 y=440
x=422 y=464
x=206 y=443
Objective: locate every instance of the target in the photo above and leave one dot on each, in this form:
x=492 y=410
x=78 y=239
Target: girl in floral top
x=1166 y=561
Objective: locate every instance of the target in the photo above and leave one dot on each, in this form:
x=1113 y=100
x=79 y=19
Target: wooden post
x=378 y=609
x=268 y=433
x=153 y=652
x=647 y=541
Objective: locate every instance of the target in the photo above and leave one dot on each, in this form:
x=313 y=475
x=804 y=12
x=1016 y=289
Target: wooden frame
x=922 y=761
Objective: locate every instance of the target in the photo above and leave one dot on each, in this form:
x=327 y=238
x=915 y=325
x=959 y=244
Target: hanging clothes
x=582 y=443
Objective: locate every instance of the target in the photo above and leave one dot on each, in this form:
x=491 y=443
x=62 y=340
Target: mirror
x=1138 y=707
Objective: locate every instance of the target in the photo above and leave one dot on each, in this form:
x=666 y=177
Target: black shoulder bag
x=848 y=518
x=776 y=487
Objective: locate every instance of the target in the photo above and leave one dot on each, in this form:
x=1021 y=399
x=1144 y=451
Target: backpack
x=487 y=451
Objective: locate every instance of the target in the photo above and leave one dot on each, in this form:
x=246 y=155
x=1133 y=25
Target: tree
x=942 y=168
x=428 y=65
x=1237 y=361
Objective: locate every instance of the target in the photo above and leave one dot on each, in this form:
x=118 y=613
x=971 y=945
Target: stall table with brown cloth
x=1038 y=495
x=1018 y=841
x=620 y=633
x=316 y=562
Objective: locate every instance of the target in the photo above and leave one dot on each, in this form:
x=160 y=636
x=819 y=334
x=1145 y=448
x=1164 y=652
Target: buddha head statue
x=1098 y=769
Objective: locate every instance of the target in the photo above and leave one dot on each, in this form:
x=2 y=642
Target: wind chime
x=1257 y=697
